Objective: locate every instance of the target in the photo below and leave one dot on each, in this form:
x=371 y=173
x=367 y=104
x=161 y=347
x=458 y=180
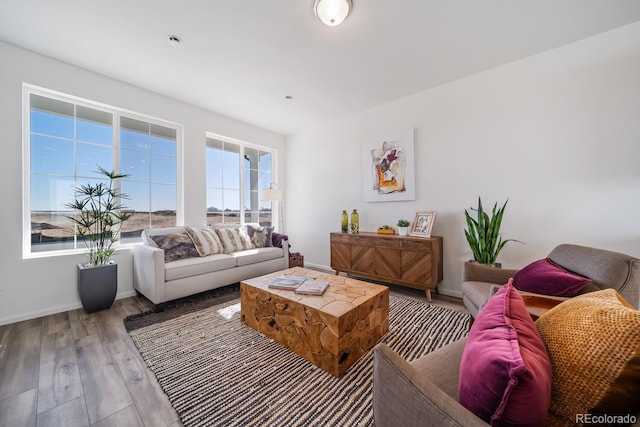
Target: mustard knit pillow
x=593 y=341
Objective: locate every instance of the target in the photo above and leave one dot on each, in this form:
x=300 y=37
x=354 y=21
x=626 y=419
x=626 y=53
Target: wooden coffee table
x=332 y=330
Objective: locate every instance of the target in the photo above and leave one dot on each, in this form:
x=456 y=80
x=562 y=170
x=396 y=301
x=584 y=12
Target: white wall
x=558 y=134
x=33 y=287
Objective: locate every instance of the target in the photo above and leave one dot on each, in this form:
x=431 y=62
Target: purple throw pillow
x=505 y=371
x=546 y=278
x=277 y=239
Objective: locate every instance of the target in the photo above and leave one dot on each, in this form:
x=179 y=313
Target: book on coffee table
x=287 y=282
x=312 y=287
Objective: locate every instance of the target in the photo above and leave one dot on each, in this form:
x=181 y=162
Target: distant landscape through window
x=69 y=139
x=236 y=173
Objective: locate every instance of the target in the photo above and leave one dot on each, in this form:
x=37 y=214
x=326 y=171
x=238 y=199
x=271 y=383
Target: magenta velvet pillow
x=505 y=372
x=546 y=278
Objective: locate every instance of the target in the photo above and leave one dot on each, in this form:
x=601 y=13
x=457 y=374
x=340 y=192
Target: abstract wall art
x=389 y=167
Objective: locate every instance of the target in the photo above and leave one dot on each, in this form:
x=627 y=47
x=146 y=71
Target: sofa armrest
x=402 y=396
x=148 y=272
x=285 y=251
x=475 y=272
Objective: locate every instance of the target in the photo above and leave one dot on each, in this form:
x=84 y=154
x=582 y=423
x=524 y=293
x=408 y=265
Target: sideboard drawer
x=416 y=245
x=339 y=238
x=388 y=242
x=360 y=240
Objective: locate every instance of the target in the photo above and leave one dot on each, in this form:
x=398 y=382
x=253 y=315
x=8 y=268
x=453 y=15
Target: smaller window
x=236 y=172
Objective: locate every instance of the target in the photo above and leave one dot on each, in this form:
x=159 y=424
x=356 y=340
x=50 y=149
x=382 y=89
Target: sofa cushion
x=505 y=372
x=260 y=236
x=206 y=240
x=476 y=293
x=546 y=278
x=175 y=246
x=442 y=366
x=252 y=256
x=196 y=266
x=234 y=239
x=147 y=233
x=593 y=341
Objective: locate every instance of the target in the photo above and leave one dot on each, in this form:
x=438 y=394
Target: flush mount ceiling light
x=332 y=12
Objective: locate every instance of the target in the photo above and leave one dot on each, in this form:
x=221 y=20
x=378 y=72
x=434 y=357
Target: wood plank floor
x=78 y=369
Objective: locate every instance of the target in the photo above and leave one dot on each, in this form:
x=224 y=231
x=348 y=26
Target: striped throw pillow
x=234 y=239
x=205 y=239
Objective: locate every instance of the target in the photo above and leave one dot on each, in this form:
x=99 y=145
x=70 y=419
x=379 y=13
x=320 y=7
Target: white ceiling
x=241 y=58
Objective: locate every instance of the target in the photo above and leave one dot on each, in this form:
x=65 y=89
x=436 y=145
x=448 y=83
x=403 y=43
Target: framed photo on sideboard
x=423 y=223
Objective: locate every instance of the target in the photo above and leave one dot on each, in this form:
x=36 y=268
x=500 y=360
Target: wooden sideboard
x=415 y=262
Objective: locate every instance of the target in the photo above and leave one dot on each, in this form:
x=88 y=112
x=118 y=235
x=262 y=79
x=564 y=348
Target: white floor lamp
x=274 y=195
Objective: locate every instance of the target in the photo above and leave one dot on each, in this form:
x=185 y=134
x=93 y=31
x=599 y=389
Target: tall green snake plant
x=483 y=233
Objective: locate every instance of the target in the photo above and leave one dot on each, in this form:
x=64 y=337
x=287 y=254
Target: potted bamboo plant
x=483 y=233
x=98 y=217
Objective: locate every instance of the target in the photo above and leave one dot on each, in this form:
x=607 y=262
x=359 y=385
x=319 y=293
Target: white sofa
x=161 y=282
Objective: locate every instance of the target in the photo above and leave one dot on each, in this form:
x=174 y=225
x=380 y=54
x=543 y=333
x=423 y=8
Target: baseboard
x=451 y=294
x=127 y=294
x=54 y=310
x=320 y=267
x=39 y=313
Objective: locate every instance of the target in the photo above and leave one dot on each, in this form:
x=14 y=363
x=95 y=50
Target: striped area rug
x=217 y=371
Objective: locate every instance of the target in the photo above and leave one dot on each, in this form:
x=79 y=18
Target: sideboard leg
x=428 y=292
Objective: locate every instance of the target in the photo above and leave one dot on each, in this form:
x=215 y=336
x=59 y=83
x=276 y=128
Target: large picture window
x=236 y=172
x=66 y=139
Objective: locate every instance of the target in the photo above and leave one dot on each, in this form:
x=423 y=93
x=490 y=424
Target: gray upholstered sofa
x=425 y=391
x=162 y=281
x=606 y=269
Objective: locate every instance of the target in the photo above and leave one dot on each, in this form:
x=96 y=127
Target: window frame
x=117 y=113
x=275 y=211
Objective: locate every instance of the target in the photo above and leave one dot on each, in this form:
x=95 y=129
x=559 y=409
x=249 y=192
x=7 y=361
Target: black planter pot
x=97 y=286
